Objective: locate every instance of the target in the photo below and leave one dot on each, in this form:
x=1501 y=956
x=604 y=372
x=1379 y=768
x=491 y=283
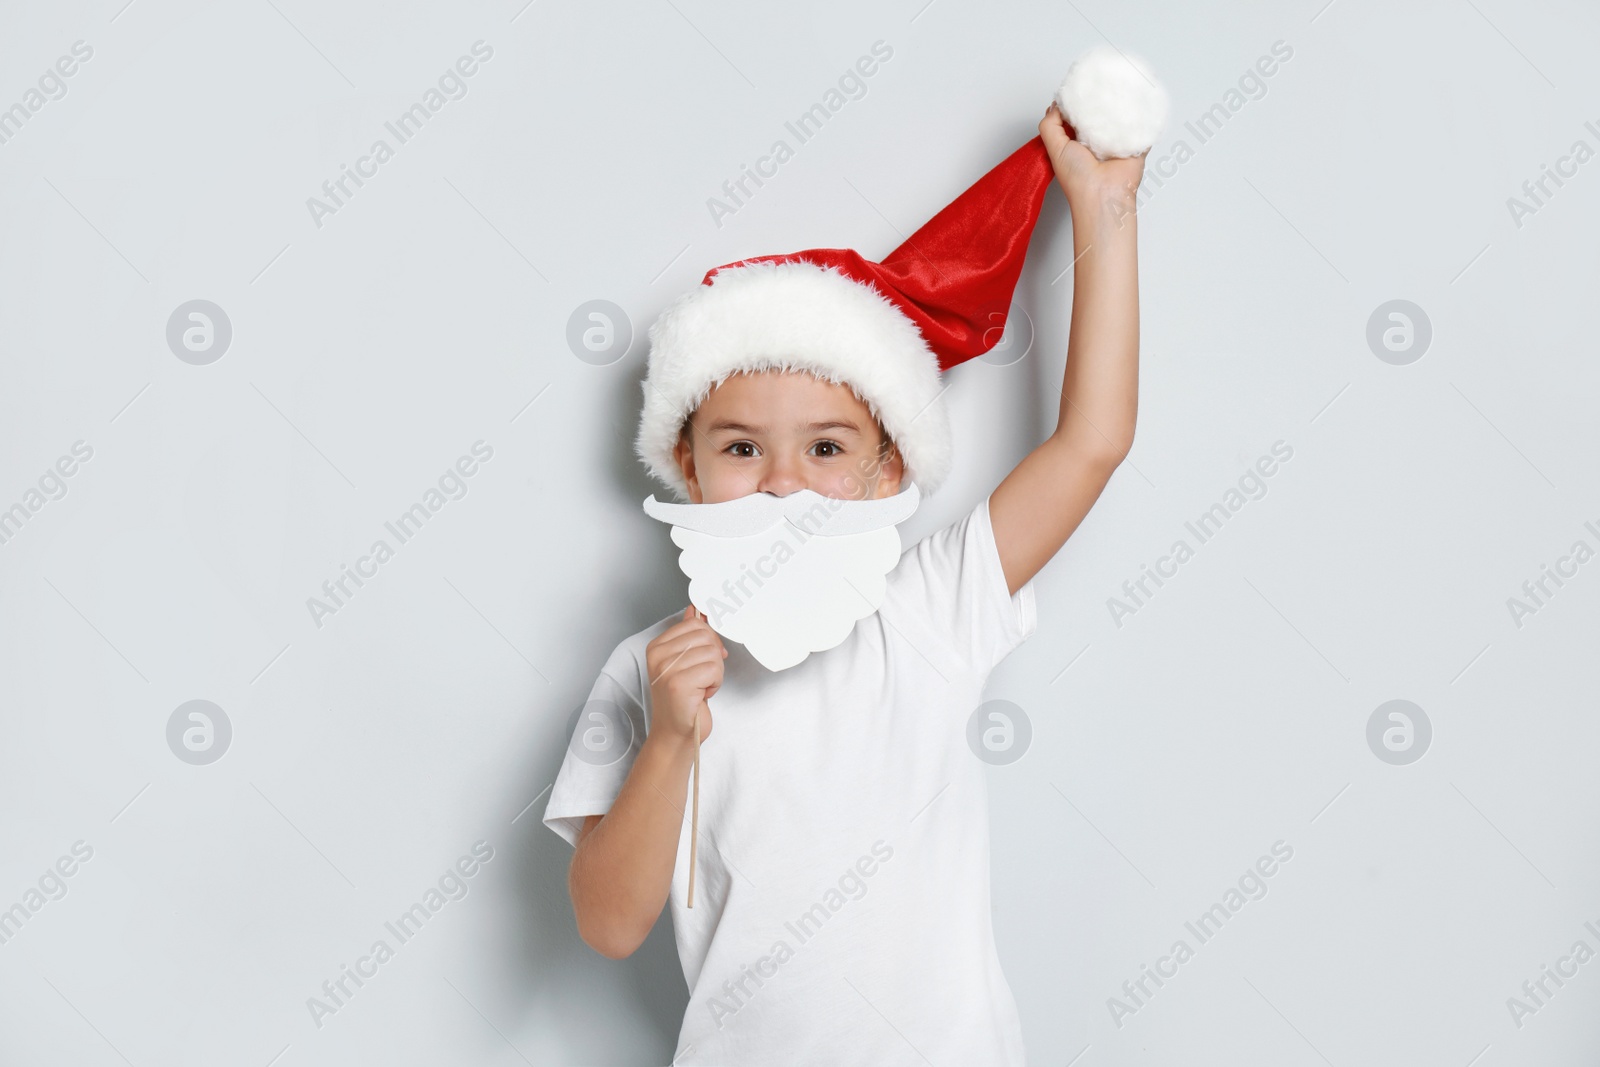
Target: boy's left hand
x=1085 y=178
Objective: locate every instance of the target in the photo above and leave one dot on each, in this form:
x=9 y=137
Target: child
x=842 y=912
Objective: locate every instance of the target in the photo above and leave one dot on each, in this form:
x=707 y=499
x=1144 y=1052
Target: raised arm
x=1038 y=505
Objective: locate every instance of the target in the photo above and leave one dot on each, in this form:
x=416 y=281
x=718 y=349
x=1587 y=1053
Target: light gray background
x=431 y=312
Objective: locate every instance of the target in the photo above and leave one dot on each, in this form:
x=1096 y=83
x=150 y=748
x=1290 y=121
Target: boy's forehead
x=781 y=395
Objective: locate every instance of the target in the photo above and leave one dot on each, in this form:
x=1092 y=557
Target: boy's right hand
x=685 y=665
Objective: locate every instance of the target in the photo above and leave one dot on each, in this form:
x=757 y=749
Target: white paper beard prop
x=787 y=576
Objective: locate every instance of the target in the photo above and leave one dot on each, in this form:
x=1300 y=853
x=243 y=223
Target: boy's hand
x=685 y=664
x=1087 y=180
x=621 y=871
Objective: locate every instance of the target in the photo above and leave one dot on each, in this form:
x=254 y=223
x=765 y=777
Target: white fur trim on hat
x=1115 y=104
x=794 y=316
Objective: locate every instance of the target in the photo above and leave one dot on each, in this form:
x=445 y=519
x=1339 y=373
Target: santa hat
x=887 y=329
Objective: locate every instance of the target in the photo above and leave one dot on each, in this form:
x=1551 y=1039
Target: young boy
x=842 y=913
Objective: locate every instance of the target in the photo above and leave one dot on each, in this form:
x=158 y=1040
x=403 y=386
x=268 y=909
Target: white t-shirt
x=842 y=898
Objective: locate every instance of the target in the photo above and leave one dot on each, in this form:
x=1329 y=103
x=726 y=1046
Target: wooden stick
x=694 y=819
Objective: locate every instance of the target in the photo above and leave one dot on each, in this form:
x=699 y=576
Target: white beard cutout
x=787 y=576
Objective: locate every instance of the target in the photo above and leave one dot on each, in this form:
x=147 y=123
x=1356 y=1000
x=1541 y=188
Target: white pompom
x=1113 y=102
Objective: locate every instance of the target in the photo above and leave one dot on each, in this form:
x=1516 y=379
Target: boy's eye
x=830 y=449
x=736 y=449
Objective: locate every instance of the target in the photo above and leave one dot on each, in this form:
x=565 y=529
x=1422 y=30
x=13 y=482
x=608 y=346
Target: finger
x=1054 y=131
x=668 y=660
x=1057 y=121
x=701 y=674
x=700 y=667
x=666 y=646
x=689 y=658
x=706 y=671
x=671 y=633
x=683 y=626
x=692 y=681
x=711 y=634
x=669 y=651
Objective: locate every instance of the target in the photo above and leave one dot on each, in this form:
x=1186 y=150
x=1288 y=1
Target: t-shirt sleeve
x=951 y=583
x=607 y=735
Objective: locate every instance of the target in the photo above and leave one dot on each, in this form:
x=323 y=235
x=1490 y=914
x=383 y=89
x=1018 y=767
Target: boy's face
x=779 y=432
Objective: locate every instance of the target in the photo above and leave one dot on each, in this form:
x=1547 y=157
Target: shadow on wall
x=599 y=1010
x=648 y=586
x=1038 y=289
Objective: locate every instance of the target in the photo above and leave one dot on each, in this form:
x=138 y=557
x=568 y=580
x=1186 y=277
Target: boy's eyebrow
x=815 y=427
x=730 y=424
x=833 y=424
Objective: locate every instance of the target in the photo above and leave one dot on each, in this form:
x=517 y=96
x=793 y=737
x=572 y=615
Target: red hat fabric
x=887 y=329
x=963 y=264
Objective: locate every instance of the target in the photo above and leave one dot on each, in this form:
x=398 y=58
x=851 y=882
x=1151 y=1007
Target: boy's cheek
x=719 y=483
x=850 y=486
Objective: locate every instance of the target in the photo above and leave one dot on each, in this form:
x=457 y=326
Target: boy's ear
x=683 y=452
x=891 y=469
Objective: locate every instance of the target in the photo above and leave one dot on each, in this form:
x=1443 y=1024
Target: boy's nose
x=781 y=477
